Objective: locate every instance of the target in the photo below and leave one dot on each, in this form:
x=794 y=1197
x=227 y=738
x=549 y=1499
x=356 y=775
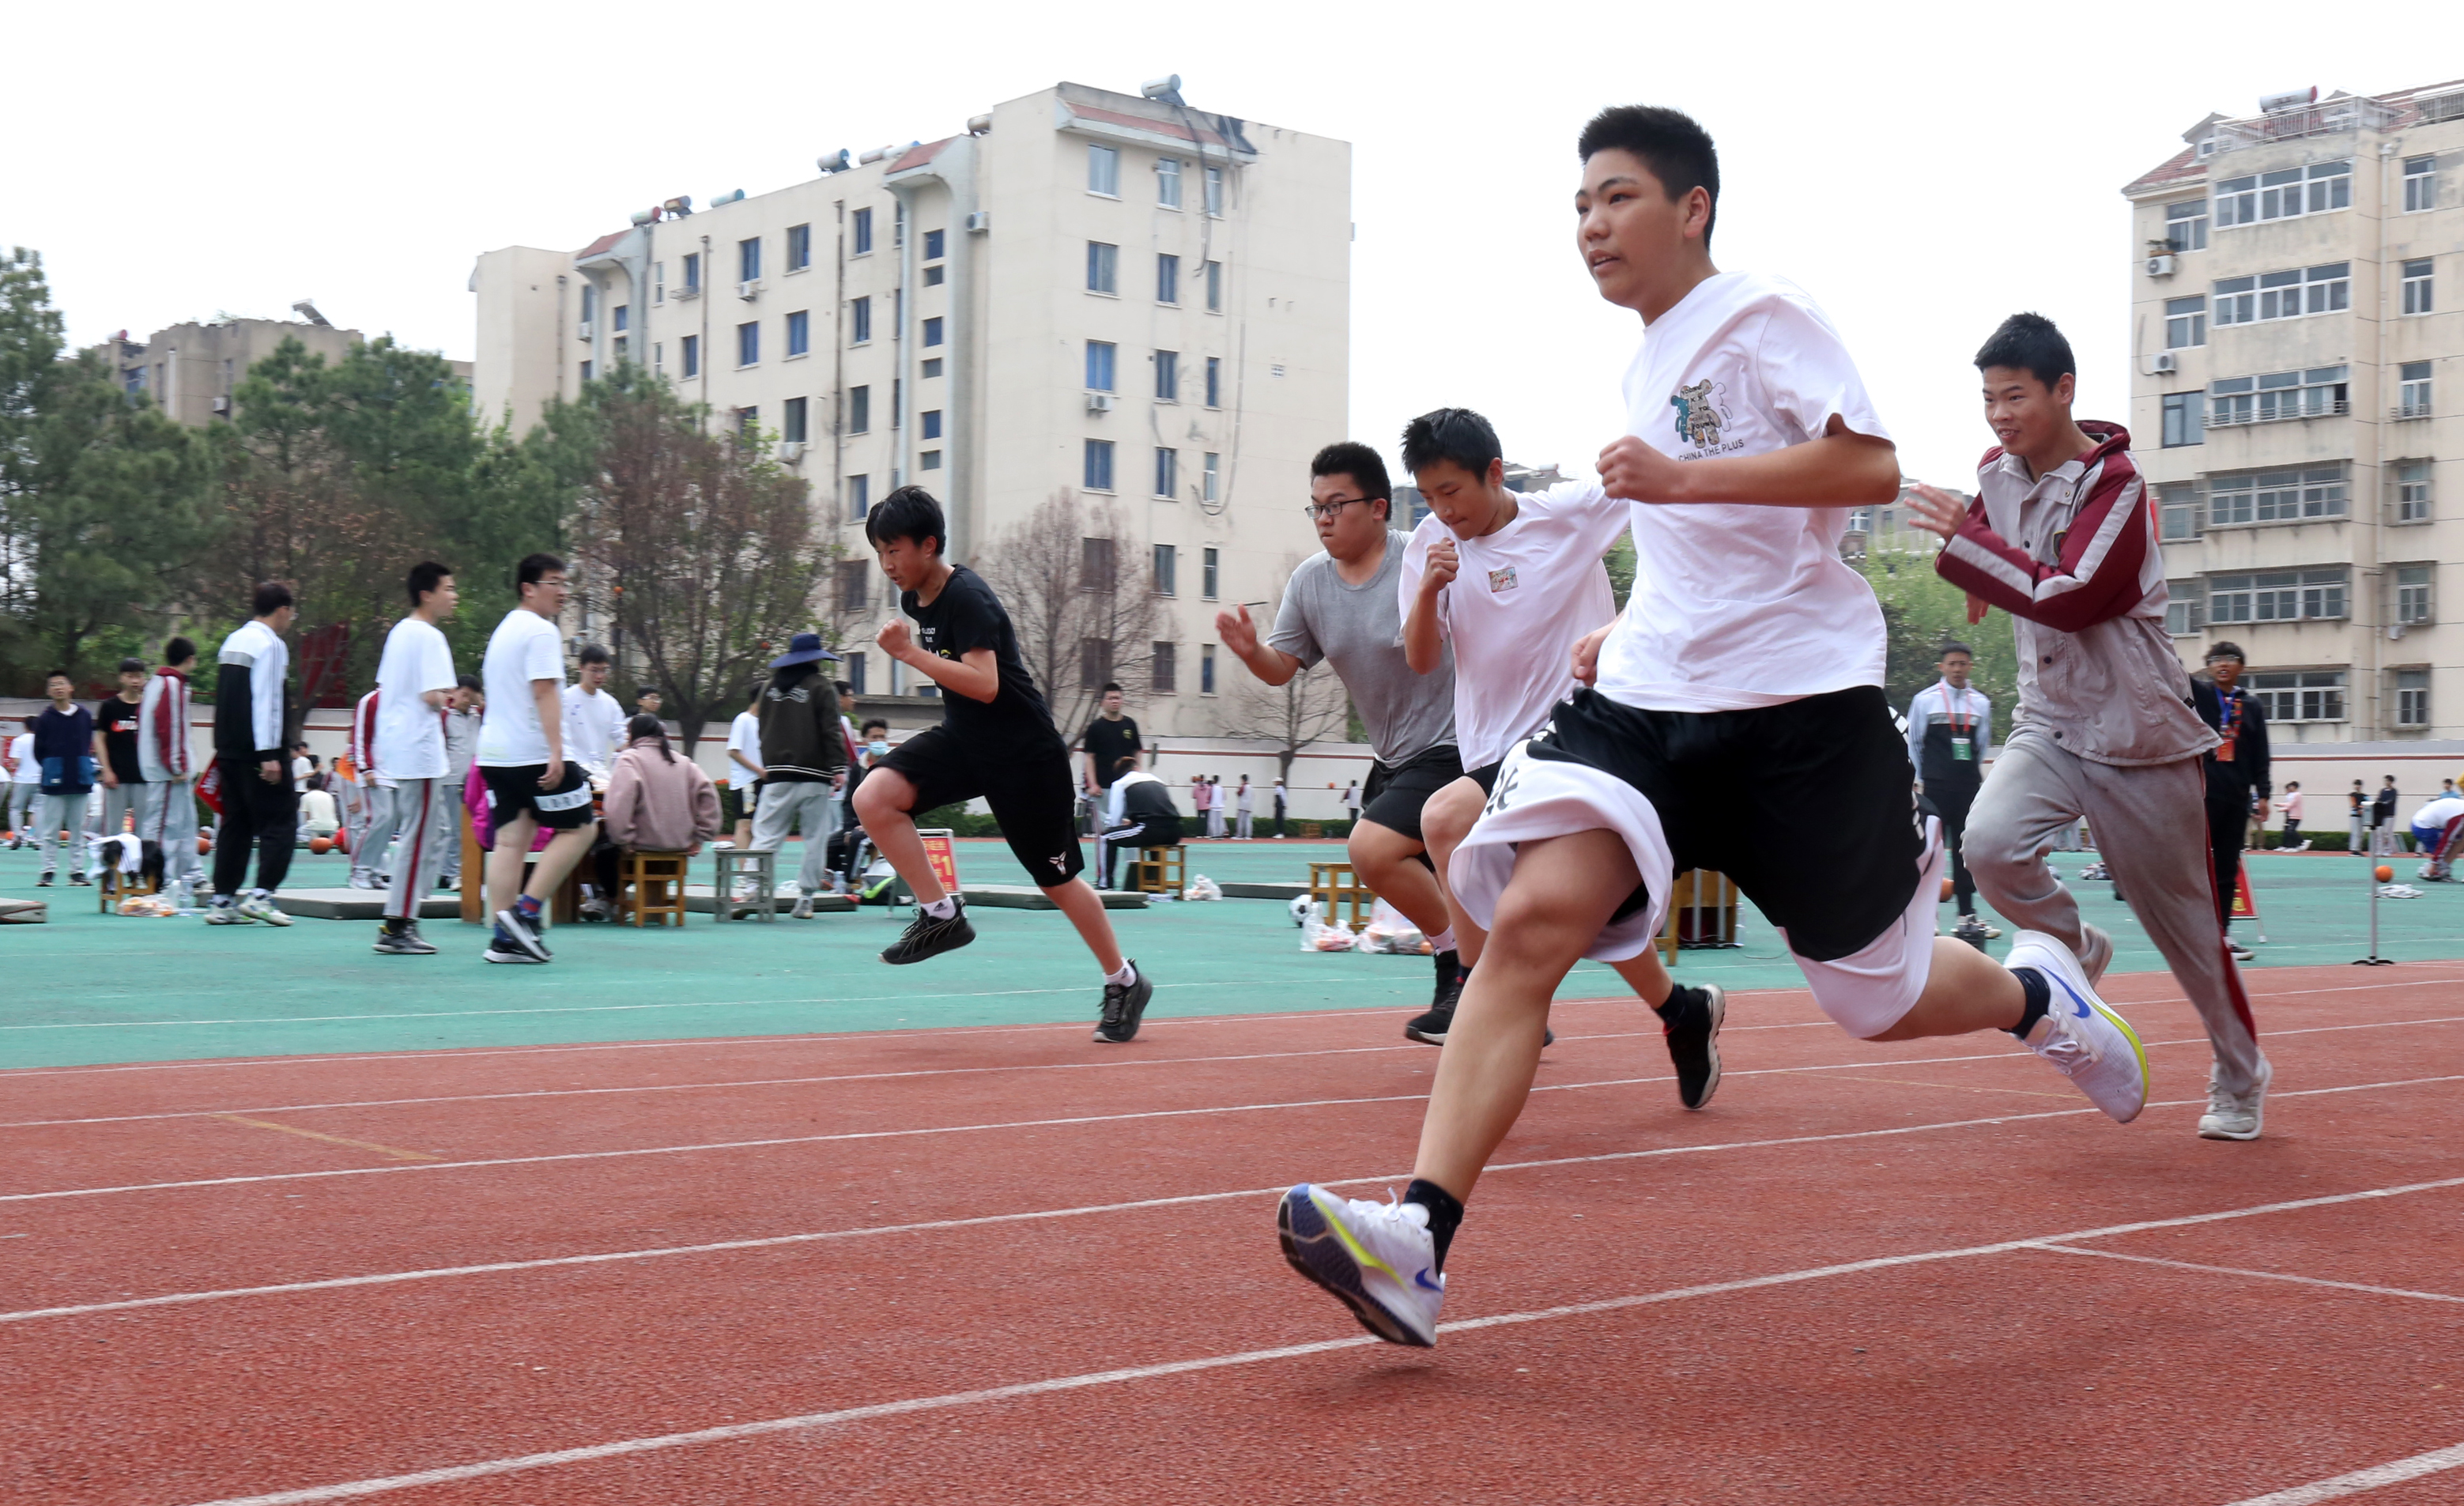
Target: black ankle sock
x=2040 y=994
x=1449 y=965
x=1669 y=1009
x=1445 y=1214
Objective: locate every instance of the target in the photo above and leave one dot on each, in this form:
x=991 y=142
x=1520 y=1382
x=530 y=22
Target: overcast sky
x=1921 y=170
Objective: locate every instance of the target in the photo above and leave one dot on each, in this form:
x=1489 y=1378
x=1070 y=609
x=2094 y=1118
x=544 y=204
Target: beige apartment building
x=192 y=369
x=2298 y=335
x=1105 y=294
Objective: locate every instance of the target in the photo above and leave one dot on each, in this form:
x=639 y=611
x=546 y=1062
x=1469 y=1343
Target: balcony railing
x=2328 y=117
x=2404 y=411
x=2335 y=410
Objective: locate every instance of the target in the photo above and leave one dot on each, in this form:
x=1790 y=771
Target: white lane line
x=2434 y=1462
x=2261 y=1276
x=736 y=1432
x=385 y=1278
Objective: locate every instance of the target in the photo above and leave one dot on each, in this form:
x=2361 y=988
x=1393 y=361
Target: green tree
x=1921 y=612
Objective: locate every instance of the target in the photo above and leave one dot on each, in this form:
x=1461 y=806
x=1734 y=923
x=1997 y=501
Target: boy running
x=260 y=803
x=1747 y=667
x=415 y=686
x=2105 y=728
x=522 y=758
x=994 y=740
x=1512 y=581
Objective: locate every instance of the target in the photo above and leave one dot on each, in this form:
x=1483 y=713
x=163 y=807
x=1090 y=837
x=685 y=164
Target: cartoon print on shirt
x=1699 y=415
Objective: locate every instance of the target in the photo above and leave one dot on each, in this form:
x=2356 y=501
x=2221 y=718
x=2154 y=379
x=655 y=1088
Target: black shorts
x=1810 y=805
x=1394 y=796
x=515 y=792
x=1030 y=792
x=1485 y=776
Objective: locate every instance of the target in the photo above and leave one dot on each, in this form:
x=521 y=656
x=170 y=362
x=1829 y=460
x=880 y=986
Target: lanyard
x=1958 y=727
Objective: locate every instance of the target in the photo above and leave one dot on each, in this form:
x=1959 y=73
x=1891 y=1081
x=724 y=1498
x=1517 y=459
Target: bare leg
x=1644 y=975
x=883 y=804
x=1445 y=821
x=1388 y=862
x=1965 y=992
x=1563 y=892
x=557 y=858
x=505 y=862
x=1085 y=909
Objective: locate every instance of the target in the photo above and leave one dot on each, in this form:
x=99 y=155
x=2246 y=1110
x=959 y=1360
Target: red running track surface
x=1008 y=1265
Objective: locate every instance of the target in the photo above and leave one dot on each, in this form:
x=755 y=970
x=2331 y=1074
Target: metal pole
x=2369 y=871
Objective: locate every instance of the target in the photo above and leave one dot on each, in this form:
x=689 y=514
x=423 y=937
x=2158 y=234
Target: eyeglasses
x=1324 y=512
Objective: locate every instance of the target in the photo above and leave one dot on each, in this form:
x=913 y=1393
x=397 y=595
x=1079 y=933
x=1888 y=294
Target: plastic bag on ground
x=1317 y=935
x=1203 y=887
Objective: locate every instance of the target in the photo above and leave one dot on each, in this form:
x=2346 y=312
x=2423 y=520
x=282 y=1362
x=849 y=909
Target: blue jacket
x=64 y=749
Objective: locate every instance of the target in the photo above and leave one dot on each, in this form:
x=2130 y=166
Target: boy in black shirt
x=996 y=740
x=115 y=748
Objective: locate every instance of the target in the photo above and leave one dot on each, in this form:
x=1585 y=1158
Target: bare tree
x=1085 y=613
x=1309 y=708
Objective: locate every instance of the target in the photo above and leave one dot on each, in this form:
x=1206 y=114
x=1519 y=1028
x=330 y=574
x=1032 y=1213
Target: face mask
x=877 y=748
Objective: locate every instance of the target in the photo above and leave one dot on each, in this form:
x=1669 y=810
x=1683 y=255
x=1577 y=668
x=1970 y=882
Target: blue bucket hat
x=802 y=649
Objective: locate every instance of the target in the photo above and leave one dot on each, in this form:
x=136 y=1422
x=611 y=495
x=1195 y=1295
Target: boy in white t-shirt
x=521 y=757
x=415 y=680
x=744 y=767
x=1515 y=581
x=594 y=724
x=1745 y=669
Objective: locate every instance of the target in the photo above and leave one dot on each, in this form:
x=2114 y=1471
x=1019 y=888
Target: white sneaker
x=2079 y=1036
x=2240 y=953
x=261 y=907
x=1379 y=1258
x=2236 y=1115
x=803 y=910
x=2096 y=953
x=219 y=913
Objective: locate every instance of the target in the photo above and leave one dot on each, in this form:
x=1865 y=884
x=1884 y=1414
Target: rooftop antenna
x=306 y=308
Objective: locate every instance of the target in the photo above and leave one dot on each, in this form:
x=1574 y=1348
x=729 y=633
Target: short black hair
x=1357 y=460
x=2227 y=648
x=1112 y=687
x=1671 y=142
x=534 y=568
x=178 y=650
x=874 y=723
x=2030 y=342
x=845 y=688
x=132 y=665
x=59 y=675
x=472 y=682
x=1954 y=646
x=425 y=577
x=1455 y=434
x=640 y=691
x=592 y=654
x=271 y=597
x=909 y=513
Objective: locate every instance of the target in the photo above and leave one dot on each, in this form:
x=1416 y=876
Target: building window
x=1167 y=369
x=1095 y=662
x=1214 y=382
x=748 y=259
x=1206 y=669
x=854 y=582
x=2181 y=614
x=1167 y=277
x=1210 y=566
x=1099 y=365
x=859 y=499
x=862 y=232
x=623 y=344
x=658 y=282
x=2420 y=184
x=2413 y=491
x=932 y=368
x=1167 y=472
x=1096 y=566
x=2316 y=393
x=659 y=360
x=2177 y=511
x=748 y=422
x=693 y=271
x=791 y=421
x=2236 y=300
x=859 y=321
x=2277 y=596
x=936 y=244
x=929 y=460
x=1104 y=171
x=691 y=352
x=2412 y=389
x=2186 y=225
x=1215 y=192
x=586 y=367
x=1215 y=287
x=935 y=275
x=1167 y=570
x=933 y=331
x=748 y=344
x=2416 y=289
x=1099 y=465
x=1206 y=492
x=859 y=411
x=2412 y=602
x=932 y=423
x=2276 y=497
x=1103 y=267
x=898 y=224
x=590 y=302
x=800 y=247
x=2185 y=322
x=897 y=403
x=2309 y=695
x=621 y=318
x=2413 y=698
x=800 y=329
x=2284 y=195
x=855 y=674
x=1165 y=667
x=1168 y=182
x=2182 y=419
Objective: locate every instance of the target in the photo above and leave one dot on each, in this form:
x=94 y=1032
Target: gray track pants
x=2151 y=831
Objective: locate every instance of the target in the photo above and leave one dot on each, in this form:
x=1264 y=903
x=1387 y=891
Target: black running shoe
x=523 y=932
x=1692 y=1026
x=1124 y=1005
x=404 y=943
x=1429 y=1027
x=929 y=936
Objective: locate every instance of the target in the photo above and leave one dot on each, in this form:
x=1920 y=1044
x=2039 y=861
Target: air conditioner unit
x=2161 y=363
x=223 y=406
x=749 y=289
x=584 y=331
x=979 y=221
x=2160 y=266
x=1099 y=402
x=691 y=290
x=791 y=450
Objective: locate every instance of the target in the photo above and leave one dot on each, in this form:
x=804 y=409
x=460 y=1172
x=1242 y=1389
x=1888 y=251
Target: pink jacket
x=659 y=805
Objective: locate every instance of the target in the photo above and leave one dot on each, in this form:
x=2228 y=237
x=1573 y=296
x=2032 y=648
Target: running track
x=1006 y=1264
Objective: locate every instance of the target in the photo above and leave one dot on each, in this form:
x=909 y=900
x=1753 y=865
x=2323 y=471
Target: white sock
x=1444 y=940
x=1128 y=975
x=943 y=908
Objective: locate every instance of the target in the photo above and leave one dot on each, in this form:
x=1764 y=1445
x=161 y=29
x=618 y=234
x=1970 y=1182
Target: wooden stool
x=1161 y=871
x=129 y=887
x=734 y=863
x=658 y=883
x=1701 y=912
x=1334 y=883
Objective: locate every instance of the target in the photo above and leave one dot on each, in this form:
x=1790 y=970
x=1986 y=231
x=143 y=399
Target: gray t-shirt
x=1359 y=630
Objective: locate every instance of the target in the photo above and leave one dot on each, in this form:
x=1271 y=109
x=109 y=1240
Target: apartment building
x=192 y=369
x=1107 y=295
x=2297 y=328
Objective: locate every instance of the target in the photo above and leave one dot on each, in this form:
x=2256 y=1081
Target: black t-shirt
x=1110 y=742
x=116 y=720
x=964 y=617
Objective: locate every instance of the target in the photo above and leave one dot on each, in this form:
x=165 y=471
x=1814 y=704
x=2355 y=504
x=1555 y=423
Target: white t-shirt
x=2439 y=811
x=594 y=728
x=410 y=734
x=1522 y=597
x=744 y=736
x=22 y=748
x=1737 y=605
x=525 y=647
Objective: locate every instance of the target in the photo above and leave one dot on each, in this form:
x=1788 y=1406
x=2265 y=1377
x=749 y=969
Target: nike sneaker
x=1377 y=1259
x=2079 y=1036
